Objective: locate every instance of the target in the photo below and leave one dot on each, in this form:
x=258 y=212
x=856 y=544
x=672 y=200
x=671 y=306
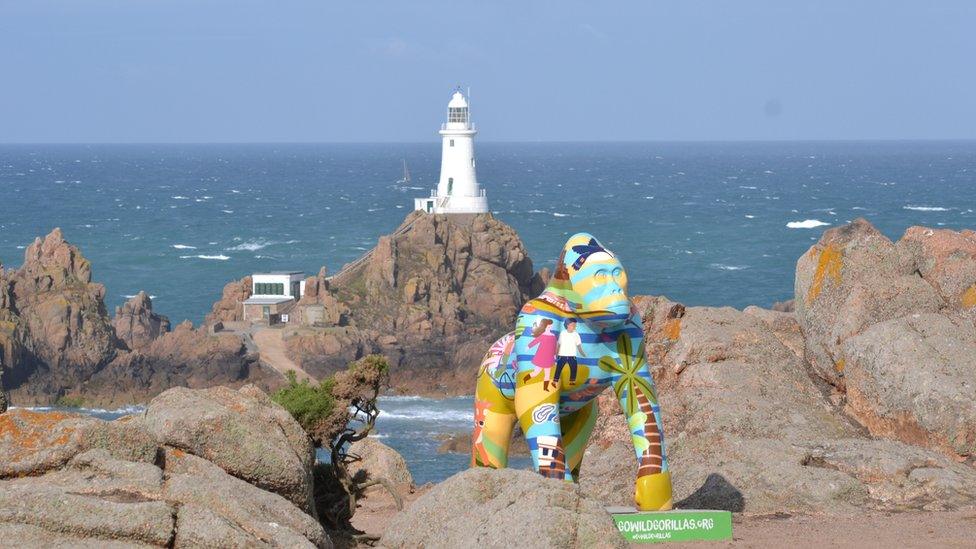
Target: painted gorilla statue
x=576 y=339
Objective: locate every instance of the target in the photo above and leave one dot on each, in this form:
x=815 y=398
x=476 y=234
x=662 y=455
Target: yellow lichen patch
x=839 y=365
x=672 y=329
x=829 y=265
x=969 y=297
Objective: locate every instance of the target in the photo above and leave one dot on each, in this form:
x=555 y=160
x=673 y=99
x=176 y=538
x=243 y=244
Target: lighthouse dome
x=457 y=101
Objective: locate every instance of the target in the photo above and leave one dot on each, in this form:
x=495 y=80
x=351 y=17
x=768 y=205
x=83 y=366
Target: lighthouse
x=457 y=190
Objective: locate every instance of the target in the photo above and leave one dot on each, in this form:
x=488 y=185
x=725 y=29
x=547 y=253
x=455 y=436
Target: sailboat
x=405 y=180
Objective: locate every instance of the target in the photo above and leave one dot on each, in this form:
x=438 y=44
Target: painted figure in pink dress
x=545 y=354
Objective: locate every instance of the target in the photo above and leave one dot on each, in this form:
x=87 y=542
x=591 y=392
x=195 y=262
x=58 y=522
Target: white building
x=458 y=190
x=273 y=295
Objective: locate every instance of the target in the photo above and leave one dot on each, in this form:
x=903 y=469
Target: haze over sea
x=703 y=223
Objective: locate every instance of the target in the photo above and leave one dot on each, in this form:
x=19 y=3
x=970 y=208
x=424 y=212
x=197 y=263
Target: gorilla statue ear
x=562 y=273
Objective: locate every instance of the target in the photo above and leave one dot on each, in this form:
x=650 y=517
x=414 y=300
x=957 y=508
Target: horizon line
x=514 y=141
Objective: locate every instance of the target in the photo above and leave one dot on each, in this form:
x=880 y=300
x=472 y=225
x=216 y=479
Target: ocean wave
x=750 y=216
x=125 y=410
x=925 y=208
x=250 y=246
x=806 y=224
x=179 y=197
x=131 y=296
x=184 y=247
x=557 y=214
x=219 y=257
x=724 y=267
x=428 y=414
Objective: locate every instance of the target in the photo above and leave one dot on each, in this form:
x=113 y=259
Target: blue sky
x=289 y=70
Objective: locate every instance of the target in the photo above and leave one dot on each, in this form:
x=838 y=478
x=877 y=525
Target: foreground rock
x=890 y=325
x=750 y=428
x=503 y=508
x=378 y=461
x=186 y=474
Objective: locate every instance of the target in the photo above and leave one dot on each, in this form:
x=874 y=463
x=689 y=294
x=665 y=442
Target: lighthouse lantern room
x=457 y=190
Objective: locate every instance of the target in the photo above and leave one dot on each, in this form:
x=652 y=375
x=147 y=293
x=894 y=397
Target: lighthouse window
x=457 y=114
x=450 y=185
x=452 y=142
x=472 y=161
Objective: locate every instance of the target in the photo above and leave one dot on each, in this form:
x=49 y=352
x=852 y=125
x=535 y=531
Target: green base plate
x=677 y=525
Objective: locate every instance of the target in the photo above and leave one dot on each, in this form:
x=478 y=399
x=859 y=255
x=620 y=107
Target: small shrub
x=308 y=404
x=68 y=401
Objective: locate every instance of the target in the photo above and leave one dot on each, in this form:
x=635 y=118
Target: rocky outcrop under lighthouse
x=431 y=297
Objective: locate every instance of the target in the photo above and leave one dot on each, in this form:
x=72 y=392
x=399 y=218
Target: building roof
x=280 y=273
x=267 y=300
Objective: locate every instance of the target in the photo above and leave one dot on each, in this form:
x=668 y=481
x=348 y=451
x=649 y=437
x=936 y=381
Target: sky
x=382 y=71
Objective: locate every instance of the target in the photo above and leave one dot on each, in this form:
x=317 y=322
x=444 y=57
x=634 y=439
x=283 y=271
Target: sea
x=702 y=223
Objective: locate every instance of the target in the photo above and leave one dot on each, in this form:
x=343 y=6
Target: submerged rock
x=503 y=508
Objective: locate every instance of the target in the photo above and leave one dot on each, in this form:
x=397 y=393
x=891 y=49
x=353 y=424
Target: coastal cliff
x=57 y=341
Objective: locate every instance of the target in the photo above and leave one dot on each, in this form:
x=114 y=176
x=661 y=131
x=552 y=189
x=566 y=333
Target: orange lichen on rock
x=672 y=329
x=969 y=298
x=839 y=365
x=829 y=264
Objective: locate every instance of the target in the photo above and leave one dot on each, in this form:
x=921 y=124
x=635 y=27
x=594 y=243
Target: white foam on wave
x=250 y=246
x=724 y=267
x=131 y=296
x=557 y=214
x=184 y=247
x=750 y=216
x=428 y=414
x=180 y=197
x=220 y=257
x=806 y=224
x=925 y=208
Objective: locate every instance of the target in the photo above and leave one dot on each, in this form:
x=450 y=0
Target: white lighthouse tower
x=458 y=190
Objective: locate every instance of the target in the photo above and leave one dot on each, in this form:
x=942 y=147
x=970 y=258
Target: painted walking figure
x=569 y=347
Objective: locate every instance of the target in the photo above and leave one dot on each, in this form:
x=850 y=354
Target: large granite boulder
x=220 y=510
x=68 y=480
x=502 y=508
x=748 y=427
x=891 y=326
x=136 y=324
x=243 y=432
x=377 y=460
x=914 y=379
x=946 y=260
x=93 y=496
x=853 y=278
